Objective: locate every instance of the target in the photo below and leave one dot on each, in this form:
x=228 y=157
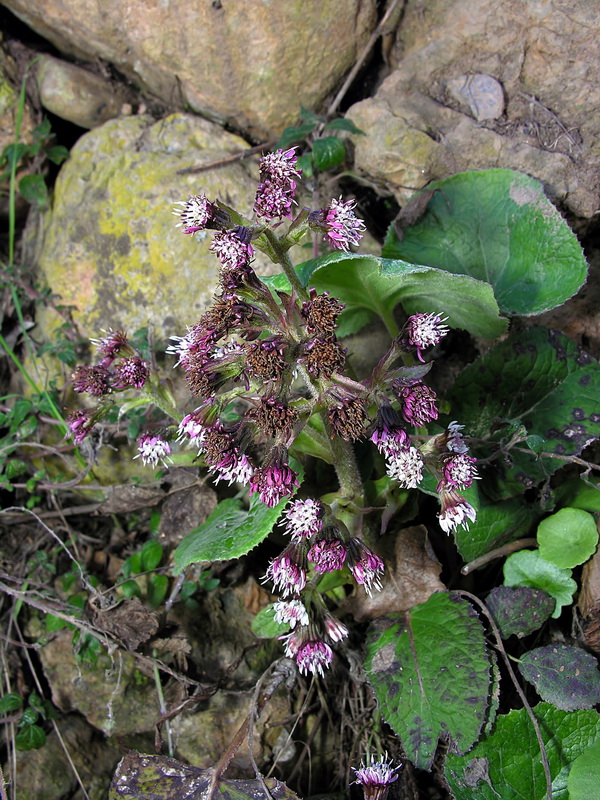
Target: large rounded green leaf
x=497 y=226
x=380 y=284
x=584 y=777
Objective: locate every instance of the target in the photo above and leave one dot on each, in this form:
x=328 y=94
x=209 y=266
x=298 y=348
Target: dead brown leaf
x=131 y=621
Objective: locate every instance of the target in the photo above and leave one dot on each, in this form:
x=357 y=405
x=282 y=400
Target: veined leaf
x=498 y=226
x=380 y=284
x=507 y=763
x=431 y=674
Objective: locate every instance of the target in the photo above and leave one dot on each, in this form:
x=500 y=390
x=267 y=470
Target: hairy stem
x=344 y=462
x=286 y=263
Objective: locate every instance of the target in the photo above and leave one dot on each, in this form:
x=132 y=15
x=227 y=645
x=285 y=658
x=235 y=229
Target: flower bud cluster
x=259 y=365
x=119 y=368
x=321 y=544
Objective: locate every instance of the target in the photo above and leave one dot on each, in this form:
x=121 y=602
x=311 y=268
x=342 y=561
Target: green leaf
x=139 y=777
x=14 y=468
x=265 y=626
x=294 y=135
x=506 y=764
x=352 y=320
x=152 y=553
x=497 y=226
x=379 y=284
x=29 y=717
x=586 y=496
x=131 y=589
x=30 y=737
x=229 y=532
x=54 y=623
x=496 y=523
x=519 y=611
x=10 y=702
x=343 y=124
x=57 y=153
x=158 y=586
x=431 y=675
x=563 y=675
x=528 y=568
x=567 y=538
x=328 y=152
x=309 y=116
x=537 y=379
x=584 y=777
x=33 y=188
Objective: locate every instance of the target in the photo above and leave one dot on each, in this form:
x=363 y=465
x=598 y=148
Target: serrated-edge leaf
x=328 y=152
x=229 y=532
x=538 y=381
x=510 y=756
x=431 y=674
x=563 y=675
x=265 y=626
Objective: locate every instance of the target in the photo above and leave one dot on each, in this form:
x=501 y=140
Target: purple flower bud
x=459 y=470
x=277 y=186
x=418 y=403
x=93 y=380
x=456 y=441
x=341 y=226
x=455 y=511
x=376 y=778
x=328 y=555
x=287 y=572
x=131 y=373
x=425 y=330
x=193 y=427
x=275 y=480
x=314 y=656
x=334 y=629
x=80 y=424
x=365 y=566
x=303 y=519
x=389 y=436
x=153 y=449
x=231 y=248
x=111 y=345
x=196 y=213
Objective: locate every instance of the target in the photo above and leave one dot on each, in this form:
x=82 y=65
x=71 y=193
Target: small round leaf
x=567 y=538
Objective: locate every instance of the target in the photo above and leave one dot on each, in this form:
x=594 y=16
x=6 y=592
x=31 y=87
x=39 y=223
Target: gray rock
x=252 y=64
x=481 y=93
x=77 y=95
x=543 y=55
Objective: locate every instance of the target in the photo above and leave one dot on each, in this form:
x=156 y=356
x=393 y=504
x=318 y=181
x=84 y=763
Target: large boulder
x=252 y=64
x=481 y=84
x=111 y=248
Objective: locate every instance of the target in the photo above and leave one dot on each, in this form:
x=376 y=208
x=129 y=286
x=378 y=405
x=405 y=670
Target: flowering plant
x=273 y=390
